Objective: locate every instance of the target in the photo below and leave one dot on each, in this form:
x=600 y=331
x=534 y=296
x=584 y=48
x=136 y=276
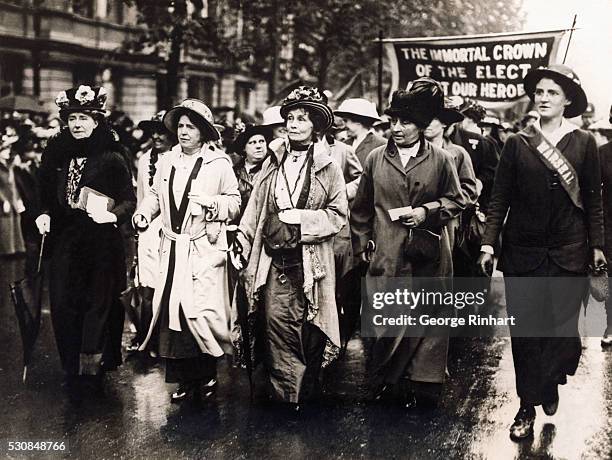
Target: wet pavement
x=134 y=419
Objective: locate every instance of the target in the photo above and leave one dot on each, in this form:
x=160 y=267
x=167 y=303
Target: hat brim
x=343 y=114
x=65 y=111
x=174 y=114
x=150 y=125
x=449 y=116
x=579 y=101
x=240 y=143
x=322 y=109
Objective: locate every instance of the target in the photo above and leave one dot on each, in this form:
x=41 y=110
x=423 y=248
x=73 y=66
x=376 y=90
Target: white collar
x=566 y=127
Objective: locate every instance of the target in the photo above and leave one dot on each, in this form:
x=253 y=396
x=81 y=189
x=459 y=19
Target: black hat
x=420 y=103
x=473 y=110
x=156 y=123
x=312 y=98
x=250 y=131
x=81 y=99
x=567 y=79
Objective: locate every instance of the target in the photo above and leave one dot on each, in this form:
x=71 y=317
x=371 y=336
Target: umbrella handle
x=40 y=254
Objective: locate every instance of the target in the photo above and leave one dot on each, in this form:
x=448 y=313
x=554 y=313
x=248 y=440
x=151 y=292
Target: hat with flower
x=312 y=99
x=195 y=107
x=473 y=110
x=83 y=98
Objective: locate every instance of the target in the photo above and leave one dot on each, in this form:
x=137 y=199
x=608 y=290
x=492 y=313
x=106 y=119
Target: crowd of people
x=253 y=242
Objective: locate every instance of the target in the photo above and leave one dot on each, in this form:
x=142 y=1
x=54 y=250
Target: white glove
x=103 y=217
x=290 y=216
x=140 y=222
x=6 y=207
x=43 y=223
x=236 y=261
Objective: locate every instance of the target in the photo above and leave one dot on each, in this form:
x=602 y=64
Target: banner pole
x=569 y=40
x=380 y=69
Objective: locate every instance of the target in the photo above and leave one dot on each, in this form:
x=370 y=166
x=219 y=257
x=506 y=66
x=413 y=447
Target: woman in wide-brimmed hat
x=297 y=206
x=196 y=193
x=409 y=172
x=87 y=253
x=548 y=183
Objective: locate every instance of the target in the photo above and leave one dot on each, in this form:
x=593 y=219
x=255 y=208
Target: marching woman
x=196 y=193
x=148 y=240
x=252 y=147
x=286 y=234
x=82 y=164
x=548 y=182
x=408 y=172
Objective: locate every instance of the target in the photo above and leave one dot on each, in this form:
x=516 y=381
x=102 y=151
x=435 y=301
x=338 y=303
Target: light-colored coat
x=200 y=276
x=324 y=216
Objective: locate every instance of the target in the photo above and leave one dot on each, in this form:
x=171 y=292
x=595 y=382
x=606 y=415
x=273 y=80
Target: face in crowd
x=161 y=140
x=81 y=124
x=189 y=136
x=255 y=149
x=300 y=128
x=550 y=99
x=403 y=131
x=434 y=130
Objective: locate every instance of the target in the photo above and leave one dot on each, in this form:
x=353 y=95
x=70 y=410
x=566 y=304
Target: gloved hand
x=43 y=223
x=485 y=262
x=139 y=222
x=291 y=216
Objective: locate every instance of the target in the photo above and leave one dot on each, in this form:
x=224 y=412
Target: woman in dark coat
x=408 y=171
x=87 y=251
x=548 y=182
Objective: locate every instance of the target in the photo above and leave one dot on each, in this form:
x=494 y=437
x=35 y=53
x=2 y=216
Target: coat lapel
x=422 y=154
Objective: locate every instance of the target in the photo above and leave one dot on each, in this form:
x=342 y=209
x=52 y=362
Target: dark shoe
x=410 y=401
x=550 y=407
x=382 y=393
x=606 y=340
x=523 y=423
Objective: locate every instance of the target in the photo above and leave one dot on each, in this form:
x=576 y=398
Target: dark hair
x=318 y=122
x=198 y=122
x=367 y=122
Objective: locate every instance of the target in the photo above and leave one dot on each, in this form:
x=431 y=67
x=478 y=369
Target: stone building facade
x=79 y=41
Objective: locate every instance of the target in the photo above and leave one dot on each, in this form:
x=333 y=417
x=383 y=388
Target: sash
x=554 y=160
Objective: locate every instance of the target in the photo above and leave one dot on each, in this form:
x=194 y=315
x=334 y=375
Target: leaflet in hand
x=396 y=213
x=94 y=202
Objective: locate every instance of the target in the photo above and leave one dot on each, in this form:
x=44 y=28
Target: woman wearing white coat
x=196 y=193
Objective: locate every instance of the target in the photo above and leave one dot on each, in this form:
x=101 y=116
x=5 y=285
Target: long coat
x=485 y=157
x=430 y=180
x=542 y=220
x=200 y=276
x=11 y=239
x=369 y=143
x=324 y=216
x=88 y=260
x=605 y=158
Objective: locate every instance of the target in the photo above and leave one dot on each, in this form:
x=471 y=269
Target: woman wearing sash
x=286 y=235
x=196 y=193
x=549 y=180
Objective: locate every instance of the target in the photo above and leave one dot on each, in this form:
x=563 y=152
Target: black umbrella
x=27 y=298
x=130 y=298
x=245 y=357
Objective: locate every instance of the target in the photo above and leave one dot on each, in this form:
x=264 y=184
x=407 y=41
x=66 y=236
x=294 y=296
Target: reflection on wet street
x=134 y=419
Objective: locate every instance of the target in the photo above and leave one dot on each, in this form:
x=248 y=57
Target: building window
x=201 y=88
x=11 y=74
x=243 y=95
x=83 y=7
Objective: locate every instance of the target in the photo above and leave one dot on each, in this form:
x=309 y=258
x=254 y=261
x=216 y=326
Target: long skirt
x=185 y=362
x=86 y=278
x=549 y=305
x=293 y=347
